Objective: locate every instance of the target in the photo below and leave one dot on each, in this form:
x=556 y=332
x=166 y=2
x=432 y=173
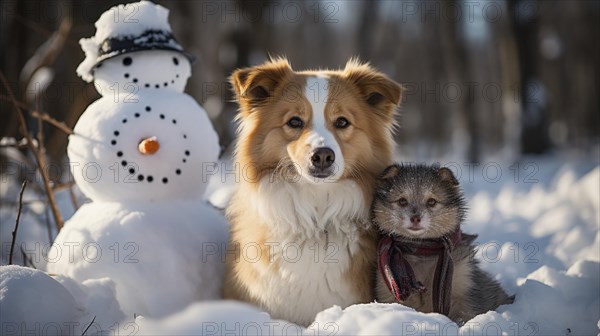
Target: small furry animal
x=311 y=146
x=425 y=261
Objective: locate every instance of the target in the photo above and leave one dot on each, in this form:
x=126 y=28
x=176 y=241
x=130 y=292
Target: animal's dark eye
x=295 y=122
x=341 y=122
x=431 y=202
x=403 y=201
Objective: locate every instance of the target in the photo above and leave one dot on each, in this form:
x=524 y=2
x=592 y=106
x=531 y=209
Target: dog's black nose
x=322 y=158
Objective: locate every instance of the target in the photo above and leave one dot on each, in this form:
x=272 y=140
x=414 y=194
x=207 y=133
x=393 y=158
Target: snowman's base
x=162 y=256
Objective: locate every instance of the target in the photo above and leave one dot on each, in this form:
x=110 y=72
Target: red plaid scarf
x=399 y=275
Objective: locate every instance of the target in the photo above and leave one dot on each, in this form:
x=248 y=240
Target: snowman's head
x=134 y=50
x=130 y=73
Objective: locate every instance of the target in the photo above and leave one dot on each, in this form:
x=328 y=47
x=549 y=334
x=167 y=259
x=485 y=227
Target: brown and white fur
x=300 y=226
x=418 y=202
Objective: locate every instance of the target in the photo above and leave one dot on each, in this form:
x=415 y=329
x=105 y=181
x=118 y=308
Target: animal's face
x=320 y=126
x=418 y=202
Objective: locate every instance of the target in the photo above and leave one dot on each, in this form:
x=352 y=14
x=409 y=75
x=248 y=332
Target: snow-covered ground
x=538 y=222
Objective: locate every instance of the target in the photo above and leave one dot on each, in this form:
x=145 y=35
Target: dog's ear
x=376 y=88
x=447 y=176
x=253 y=86
x=390 y=172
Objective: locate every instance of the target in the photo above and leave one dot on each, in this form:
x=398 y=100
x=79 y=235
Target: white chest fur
x=304 y=210
x=313 y=237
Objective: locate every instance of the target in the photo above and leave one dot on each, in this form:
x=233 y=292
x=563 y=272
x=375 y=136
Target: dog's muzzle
x=322 y=161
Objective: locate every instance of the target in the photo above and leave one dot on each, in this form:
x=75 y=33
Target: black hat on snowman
x=127 y=28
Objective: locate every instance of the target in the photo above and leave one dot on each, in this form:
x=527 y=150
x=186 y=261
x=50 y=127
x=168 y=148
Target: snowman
x=140 y=154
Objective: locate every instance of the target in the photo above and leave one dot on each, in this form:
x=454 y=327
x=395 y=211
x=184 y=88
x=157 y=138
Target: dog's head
x=323 y=126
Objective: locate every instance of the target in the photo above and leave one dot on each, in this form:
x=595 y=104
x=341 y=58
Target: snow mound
x=96 y=300
x=549 y=302
x=218 y=318
x=32 y=300
x=521 y=229
x=379 y=319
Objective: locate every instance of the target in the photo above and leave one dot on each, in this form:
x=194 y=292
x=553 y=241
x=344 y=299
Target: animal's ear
x=255 y=85
x=447 y=176
x=376 y=88
x=390 y=172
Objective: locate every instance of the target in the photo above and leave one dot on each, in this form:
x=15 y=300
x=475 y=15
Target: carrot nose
x=149 y=146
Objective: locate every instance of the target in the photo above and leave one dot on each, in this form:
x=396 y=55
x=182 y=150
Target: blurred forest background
x=483 y=79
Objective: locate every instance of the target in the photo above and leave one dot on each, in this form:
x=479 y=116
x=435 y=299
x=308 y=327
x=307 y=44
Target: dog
x=310 y=147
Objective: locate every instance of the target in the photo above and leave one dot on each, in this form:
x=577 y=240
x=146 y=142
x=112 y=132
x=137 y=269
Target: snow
x=33 y=229
x=22 y=289
x=147 y=224
x=188 y=143
x=132 y=19
x=180 y=246
x=540 y=240
x=33 y=301
x=149 y=66
x=147 y=244
x=217 y=318
x=96 y=300
x=555 y=225
x=549 y=303
x=110 y=80
x=154 y=249
x=122 y=20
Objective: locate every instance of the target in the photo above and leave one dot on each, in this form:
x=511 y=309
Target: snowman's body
x=142 y=154
x=162 y=256
x=108 y=166
x=148 y=228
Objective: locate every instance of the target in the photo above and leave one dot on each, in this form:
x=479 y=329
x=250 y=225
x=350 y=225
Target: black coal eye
x=431 y=202
x=127 y=61
x=175 y=61
x=403 y=201
x=295 y=122
x=341 y=122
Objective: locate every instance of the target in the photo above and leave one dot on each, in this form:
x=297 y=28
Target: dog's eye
x=431 y=202
x=341 y=122
x=295 y=122
x=403 y=201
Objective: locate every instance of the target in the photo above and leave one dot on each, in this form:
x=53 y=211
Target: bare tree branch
x=41 y=161
x=14 y=233
x=89 y=325
x=58 y=124
x=41 y=115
